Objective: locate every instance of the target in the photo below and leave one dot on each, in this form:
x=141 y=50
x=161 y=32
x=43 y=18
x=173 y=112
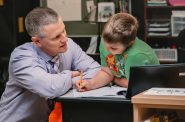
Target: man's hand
x=75 y=74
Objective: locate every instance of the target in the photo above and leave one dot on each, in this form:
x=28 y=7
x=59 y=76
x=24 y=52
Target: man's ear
x=36 y=41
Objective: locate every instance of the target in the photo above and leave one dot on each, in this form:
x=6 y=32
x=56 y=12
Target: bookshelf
x=148 y=14
x=159 y=13
x=147 y=105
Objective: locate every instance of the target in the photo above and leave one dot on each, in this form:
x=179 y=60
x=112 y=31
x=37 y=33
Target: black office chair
x=3 y=73
x=181 y=46
x=96 y=57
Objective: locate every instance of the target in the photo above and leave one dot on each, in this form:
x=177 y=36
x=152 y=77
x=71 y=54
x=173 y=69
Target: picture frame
x=105 y=10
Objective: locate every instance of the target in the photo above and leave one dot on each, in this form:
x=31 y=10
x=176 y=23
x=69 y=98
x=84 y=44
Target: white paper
x=158 y=34
x=100 y=92
x=158 y=29
x=90 y=5
x=70 y=10
x=166 y=91
x=167 y=24
x=93 y=46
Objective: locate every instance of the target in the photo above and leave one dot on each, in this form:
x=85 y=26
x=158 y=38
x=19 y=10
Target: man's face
x=55 y=40
x=114 y=48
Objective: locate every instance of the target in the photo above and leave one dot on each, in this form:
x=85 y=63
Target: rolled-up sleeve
x=83 y=62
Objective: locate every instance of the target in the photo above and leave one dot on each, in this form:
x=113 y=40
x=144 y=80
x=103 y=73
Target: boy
x=119 y=50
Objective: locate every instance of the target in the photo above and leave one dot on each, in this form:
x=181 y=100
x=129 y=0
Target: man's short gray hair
x=38 y=18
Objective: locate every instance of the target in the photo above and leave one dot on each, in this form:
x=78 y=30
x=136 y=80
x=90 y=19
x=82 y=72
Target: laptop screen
x=164 y=75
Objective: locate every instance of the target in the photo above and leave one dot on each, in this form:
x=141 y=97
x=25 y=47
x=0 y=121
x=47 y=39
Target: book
x=149 y=119
x=163 y=116
x=164 y=29
x=166 y=91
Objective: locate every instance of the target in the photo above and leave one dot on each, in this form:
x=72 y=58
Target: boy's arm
x=121 y=82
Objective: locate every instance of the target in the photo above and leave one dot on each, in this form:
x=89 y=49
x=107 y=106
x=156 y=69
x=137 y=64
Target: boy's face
x=115 y=48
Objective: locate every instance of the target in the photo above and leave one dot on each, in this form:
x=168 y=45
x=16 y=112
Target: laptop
x=146 y=77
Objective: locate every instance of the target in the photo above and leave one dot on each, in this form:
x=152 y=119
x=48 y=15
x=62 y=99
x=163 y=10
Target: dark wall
x=138 y=12
x=10 y=36
x=83 y=27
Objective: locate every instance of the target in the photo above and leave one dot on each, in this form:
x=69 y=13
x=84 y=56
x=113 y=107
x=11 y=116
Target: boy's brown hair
x=121 y=27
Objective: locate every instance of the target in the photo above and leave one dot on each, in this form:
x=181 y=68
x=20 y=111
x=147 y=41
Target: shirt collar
x=42 y=54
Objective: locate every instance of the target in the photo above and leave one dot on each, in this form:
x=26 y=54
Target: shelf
x=155 y=14
x=161 y=37
x=166 y=7
x=159 y=14
x=147 y=105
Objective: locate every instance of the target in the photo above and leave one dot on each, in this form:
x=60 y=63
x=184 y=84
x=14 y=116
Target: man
x=32 y=78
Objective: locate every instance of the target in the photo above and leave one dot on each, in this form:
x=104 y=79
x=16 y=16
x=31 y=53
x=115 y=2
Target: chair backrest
x=96 y=57
x=181 y=46
x=181 y=39
x=3 y=73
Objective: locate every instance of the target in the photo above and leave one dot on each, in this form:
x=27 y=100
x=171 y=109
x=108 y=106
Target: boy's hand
x=121 y=82
x=82 y=85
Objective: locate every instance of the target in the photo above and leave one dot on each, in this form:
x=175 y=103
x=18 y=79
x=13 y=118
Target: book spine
x=123 y=6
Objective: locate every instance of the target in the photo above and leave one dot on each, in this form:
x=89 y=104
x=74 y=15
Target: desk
x=97 y=109
x=147 y=105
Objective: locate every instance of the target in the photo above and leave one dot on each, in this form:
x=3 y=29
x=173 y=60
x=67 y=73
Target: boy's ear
x=36 y=41
x=132 y=42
